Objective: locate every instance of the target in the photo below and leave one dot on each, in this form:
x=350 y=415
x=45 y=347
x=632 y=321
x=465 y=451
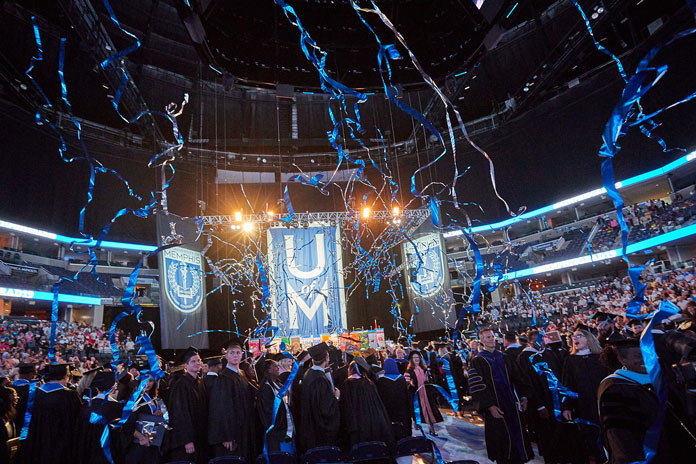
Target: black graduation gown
x=51 y=438
x=505 y=438
x=396 y=400
x=89 y=435
x=187 y=414
x=583 y=374
x=339 y=376
x=545 y=432
x=296 y=393
x=320 y=418
x=363 y=415
x=264 y=406
x=136 y=453
x=21 y=386
x=231 y=415
x=627 y=409
x=457 y=370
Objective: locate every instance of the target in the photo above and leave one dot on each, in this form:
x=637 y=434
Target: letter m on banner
x=306 y=279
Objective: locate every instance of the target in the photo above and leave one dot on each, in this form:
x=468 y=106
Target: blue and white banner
x=182 y=284
x=306 y=280
x=427 y=279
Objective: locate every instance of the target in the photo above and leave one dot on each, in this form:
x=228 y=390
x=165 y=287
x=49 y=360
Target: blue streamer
x=27 y=414
x=652 y=365
x=314 y=182
x=277 y=401
x=54 y=323
x=633 y=307
x=419 y=426
x=475 y=298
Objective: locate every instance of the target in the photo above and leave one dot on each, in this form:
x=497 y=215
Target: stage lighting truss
x=412 y=218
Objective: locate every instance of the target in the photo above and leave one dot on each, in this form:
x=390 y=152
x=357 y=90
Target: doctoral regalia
x=492 y=378
x=89 y=449
x=187 y=414
x=628 y=407
x=231 y=415
x=320 y=411
x=363 y=415
x=397 y=402
x=51 y=438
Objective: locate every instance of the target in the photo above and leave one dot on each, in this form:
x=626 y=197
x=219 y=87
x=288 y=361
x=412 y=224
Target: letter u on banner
x=307 y=289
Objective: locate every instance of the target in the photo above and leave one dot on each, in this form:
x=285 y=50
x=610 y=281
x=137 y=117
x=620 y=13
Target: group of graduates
x=582 y=402
x=220 y=406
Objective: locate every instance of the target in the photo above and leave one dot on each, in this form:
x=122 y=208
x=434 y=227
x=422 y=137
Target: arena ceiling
x=253 y=92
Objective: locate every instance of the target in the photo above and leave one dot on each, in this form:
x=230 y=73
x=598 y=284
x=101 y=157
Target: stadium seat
x=180 y=462
x=277 y=457
x=413 y=445
x=466 y=461
x=228 y=460
x=370 y=452
x=323 y=454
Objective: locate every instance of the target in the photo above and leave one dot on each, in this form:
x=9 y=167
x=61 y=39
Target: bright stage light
x=269 y=214
x=238 y=216
x=366 y=212
x=248 y=227
x=396 y=211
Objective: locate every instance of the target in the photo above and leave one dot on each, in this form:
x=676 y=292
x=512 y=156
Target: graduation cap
x=362 y=363
x=278 y=357
x=213 y=361
x=581 y=326
x=622 y=342
x=302 y=355
x=234 y=342
x=103 y=381
x=317 y=351
x=27 y=368
x=57 y=371
x=601 y=316
x=188 y=354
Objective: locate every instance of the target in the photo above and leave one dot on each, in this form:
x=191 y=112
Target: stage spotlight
x=238 y=216
x=366 y=212
x=248 y=227
x=269 y=214
x=396 y=211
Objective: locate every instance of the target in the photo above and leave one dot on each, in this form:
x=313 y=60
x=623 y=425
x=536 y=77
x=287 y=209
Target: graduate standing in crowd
x=187 y=413
x=417 y=377
x=363 y=415
x=499 y=394
x=282 y=436
x=231 y=414
x=320 y=412
x=54 y=416
x=393 y=390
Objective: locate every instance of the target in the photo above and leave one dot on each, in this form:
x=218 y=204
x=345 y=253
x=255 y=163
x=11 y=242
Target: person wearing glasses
x=582 y=373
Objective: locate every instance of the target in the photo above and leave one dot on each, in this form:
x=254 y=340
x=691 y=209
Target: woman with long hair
x=417 y=376
x=582 y=373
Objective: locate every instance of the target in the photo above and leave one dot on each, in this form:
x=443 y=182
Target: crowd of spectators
x=27 y=341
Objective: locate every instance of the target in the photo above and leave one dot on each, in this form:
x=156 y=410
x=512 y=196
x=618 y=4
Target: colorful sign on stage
x=306 y=280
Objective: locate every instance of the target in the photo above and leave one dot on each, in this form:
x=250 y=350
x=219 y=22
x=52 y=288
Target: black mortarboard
x=103 y=381
x=624 y=342
x=188 y=354
x=278 y=357
x=317 y=351
x=582 y=327
x=634 y=321
x=601 y=316
x=362 y=363
x=232 y=342
x=213 y=361
x=27 y=368
x=58 y=371
x=302 y=355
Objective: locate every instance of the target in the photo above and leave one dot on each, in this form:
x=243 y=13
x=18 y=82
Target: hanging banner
x=306 y=280
x=427 y=281
x=182 y=284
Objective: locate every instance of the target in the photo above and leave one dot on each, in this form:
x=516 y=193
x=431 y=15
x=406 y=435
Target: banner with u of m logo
x=306 y=280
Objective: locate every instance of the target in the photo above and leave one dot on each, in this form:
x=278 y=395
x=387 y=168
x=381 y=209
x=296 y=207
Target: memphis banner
x=182 y=283
x=306 y=280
